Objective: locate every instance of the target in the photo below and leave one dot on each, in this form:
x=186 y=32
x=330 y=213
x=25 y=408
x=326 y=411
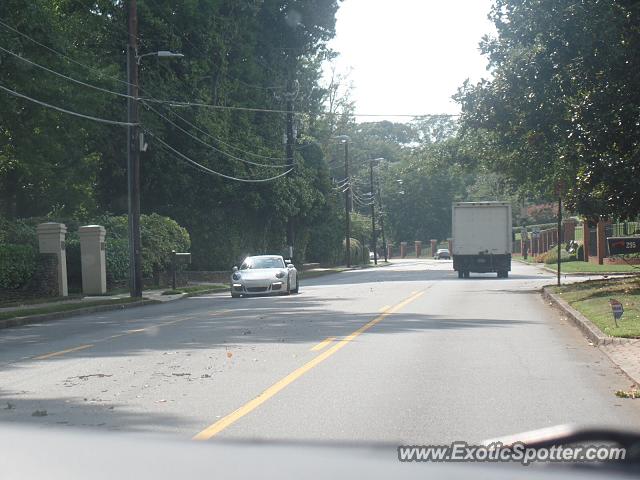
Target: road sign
x=623 y=245
x=617 y=309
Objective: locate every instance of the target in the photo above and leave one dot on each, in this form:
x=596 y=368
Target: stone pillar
x=585 y=239
x=403 y=249
x=418 y=244
x=51 y=239
x=450 y=241
x=389 y=250
x=434 y=246
x=92 y=253
x=569 y=231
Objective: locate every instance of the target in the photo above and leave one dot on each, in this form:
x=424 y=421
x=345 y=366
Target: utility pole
x=133 y=156
x=384 y=240
x=347 y=203
x=559 y=236
x=374 y=237
x=289 y=152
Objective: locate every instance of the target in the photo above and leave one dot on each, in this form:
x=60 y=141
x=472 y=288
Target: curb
x=590 y=330
x=44 y=317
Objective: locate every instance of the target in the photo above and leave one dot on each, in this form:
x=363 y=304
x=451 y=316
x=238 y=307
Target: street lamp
x=159 y=54
x=347 y=196
x=133 y=148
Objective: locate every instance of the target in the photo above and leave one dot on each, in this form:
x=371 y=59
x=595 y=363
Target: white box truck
x=482 y=238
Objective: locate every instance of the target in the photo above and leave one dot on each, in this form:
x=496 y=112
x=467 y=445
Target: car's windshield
x=262 y=262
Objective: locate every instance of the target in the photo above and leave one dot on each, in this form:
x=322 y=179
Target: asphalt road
x=406 y=353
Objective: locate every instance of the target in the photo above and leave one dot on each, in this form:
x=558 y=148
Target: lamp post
x=347 y=197
x=133 y=149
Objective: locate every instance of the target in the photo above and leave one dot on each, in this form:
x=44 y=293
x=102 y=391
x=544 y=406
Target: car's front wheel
x=235 y=295
x=297 y=289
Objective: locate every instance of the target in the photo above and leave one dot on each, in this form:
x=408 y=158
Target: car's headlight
x=280 y=274
x=236 y=276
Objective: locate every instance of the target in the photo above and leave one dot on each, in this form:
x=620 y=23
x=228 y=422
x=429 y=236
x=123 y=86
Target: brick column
x=418 y=244
x=403 y=249
x=602 y=240
x=51 y=239
x=389 y=250
x=585 y=239
x=434 y=246
x=450 y=241
x=569 y=231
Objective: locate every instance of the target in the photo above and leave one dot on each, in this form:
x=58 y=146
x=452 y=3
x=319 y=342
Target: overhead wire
x=63 y=110
x=211 y=146
x=208 y=170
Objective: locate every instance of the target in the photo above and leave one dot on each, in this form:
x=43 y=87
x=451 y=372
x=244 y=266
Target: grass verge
x=592 y=300
x=66 y=307
x=588 y=267
x=198 y=289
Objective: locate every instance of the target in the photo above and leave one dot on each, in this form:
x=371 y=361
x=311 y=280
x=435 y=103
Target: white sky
x=410 y=56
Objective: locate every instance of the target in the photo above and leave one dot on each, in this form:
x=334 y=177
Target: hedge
x=159 y=235
x=17 y=264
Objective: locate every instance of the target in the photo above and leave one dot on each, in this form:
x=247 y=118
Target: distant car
x=263 y=275
x=442 y=253
x=372 y=256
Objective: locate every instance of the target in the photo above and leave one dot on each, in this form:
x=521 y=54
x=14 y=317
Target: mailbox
x=176 y=259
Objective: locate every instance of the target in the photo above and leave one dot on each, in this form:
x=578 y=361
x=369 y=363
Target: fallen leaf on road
x=39 y=413
x=229 y=354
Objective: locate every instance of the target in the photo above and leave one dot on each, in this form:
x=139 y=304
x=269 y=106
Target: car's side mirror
x=235 y=268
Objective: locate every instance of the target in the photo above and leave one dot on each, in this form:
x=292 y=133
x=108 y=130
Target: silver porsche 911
x=262 y=275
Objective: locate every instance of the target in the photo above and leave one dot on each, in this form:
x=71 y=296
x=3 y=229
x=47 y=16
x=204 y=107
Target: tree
x=563 y=102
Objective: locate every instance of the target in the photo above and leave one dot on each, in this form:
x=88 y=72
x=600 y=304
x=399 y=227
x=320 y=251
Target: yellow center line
x=62 y=352
x=384 y=309
x=248 y=407
x=322 y=344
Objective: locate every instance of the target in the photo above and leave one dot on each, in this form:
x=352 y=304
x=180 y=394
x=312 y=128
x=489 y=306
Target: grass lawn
x=588 y=267
x=198 y=289
x=592 y=300
x=66 y=307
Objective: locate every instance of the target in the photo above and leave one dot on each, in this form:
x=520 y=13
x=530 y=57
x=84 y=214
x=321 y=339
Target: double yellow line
x=248 y=407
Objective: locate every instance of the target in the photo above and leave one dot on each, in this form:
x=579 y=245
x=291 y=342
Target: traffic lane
x=178 y=377
x=474 y=359
x=23 y=343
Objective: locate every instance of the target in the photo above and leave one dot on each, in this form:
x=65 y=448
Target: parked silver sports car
x=264 y=274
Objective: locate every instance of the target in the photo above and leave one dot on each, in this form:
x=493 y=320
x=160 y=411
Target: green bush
x=17 y=264
x=117 y=258
x=357 y=257
x=551 y=257
x=580 y=253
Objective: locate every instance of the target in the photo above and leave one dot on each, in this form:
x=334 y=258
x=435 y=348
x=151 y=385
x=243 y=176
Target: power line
x=104 y=90
x=211 y=146
x=208 y=170
x=66 y=57
x=224 y=143
x=47 y=105
x=171 y=103
x=71 y=79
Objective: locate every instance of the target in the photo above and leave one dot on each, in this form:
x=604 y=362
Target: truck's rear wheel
x=466 y=274
x=460 y=274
